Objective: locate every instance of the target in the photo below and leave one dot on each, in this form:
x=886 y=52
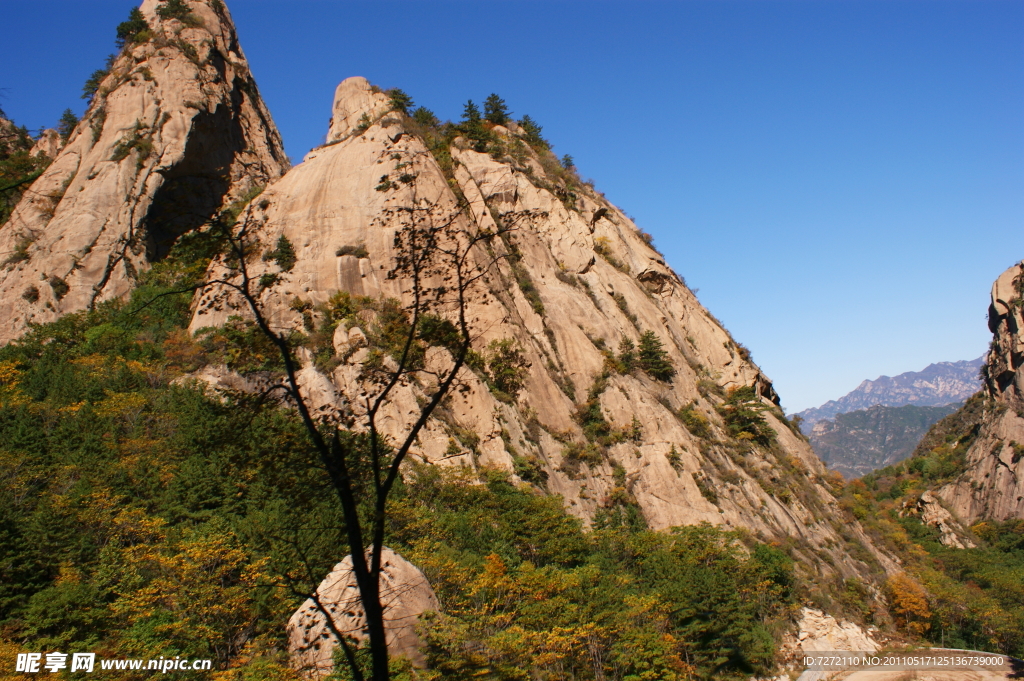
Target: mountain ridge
x=937 y=384
x=858 y=442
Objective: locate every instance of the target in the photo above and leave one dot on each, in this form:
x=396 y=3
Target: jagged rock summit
x=936 y=385
x=992 y=486
x=175 y=132
x=572 y=279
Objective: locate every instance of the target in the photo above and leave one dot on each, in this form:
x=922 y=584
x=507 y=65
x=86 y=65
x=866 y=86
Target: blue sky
x=842 y=181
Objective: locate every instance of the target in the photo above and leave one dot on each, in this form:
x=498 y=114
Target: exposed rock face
x=405 y=594
x=993 y=485
x=573 y=279
x=862 y=441
x=931 y=512
x=819 y=632
x=176 y=131
x=49 y=144
x=936 y=385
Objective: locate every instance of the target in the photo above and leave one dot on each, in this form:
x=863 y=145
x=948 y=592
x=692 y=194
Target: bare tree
x=439 y=259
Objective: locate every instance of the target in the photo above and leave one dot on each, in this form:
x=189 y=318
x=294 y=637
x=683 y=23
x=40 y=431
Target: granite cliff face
x=572 y=279
x=175 y=132
x=992 y=485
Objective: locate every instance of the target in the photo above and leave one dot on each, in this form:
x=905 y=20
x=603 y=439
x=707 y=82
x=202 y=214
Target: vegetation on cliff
x=124 y=489
x=18 y=168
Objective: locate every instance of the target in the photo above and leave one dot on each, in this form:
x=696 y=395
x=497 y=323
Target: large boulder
x=404 y=591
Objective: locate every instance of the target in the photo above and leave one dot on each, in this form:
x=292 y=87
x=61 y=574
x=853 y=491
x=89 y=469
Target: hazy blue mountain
x=938 y=384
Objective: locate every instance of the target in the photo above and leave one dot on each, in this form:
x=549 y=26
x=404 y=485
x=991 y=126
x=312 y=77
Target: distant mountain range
x=881 y=421
x=862 y=441
x=938 y=384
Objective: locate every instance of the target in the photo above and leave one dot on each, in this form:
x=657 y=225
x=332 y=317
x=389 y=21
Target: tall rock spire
x=992 y=484
x=175 y=132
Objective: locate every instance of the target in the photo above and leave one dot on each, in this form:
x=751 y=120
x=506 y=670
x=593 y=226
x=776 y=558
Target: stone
x=405 y=593
x=818 y=631
x=169 y=140
x=931 y=512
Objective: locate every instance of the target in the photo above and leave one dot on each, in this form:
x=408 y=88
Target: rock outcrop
x=933 y=514
x=175 y=132
x=49 y=144
x=992 y=485
x=818 y=631
x=404 y=593
x=572 y=279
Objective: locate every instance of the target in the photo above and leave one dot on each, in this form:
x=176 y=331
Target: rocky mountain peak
x=176 y=130
x=1003 y=376
x=992 y=485
x=355 y=100
x=575 y=288
x=937 y=384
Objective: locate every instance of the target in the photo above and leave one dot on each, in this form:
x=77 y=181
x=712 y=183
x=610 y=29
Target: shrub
x=136 y=139
x=59 y=286
x=283 y=255
x=695 y=422
x=135 y=29
x=20 y=252
x=653 y=359
x=358 y=251
x=31 y=294
x=568 y=162
x=508 y=366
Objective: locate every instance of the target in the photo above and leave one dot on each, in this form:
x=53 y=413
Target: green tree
x=495 y=110
x=174 y=9
x=470 y=112
x=743 y=413
x=532 y=131
x=653 y=359
x=400 y=101
x=627 y=354
x=425 y=117
x=92 y=84
x=66 y=124
x=567 y=162
x=507 y=366
x=133 y=30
